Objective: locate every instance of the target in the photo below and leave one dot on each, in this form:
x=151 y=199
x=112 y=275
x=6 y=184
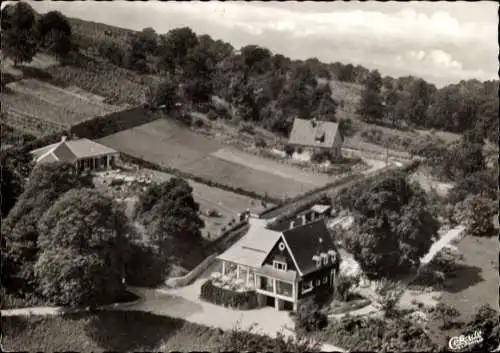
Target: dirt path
x=446 y=239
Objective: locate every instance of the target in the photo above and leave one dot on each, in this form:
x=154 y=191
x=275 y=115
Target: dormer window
x=319 y=136
x=324 y=257
x=317 y=260
x=279 y=265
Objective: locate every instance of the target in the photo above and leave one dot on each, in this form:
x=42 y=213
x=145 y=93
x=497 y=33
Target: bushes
x=309 y=317
x=247 y=128
x=322 y=156
x=289 y=150
x=220 y=296
x=260 y=143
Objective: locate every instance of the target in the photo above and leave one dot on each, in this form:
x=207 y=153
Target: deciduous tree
x=83 y=237
x=19 y=32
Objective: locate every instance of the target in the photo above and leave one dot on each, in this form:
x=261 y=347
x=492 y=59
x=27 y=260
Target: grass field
x=122 y=331
x=165 y=142
x=476 y=283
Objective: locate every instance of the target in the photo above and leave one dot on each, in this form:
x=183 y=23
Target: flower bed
x=245 y=300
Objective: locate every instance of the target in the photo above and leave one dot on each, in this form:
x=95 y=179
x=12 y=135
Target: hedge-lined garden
x=237 y=300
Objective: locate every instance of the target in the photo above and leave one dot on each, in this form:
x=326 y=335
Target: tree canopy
x=171 y=215
x=84 y=249
x=20 y=231
x=393 y=227
x=19 y=32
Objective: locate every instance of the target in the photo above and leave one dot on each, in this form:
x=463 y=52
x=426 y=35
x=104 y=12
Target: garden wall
x=193 y=274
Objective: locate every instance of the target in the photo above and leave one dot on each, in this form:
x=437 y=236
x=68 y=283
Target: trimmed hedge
x=220 y=296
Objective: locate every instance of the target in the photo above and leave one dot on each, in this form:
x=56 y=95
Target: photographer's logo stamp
x=465 y=341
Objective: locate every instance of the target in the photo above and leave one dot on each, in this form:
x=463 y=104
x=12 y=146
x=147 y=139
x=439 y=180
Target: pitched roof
x=306 y=241
x=306 y=132
x=252 y=249
x=72 y=150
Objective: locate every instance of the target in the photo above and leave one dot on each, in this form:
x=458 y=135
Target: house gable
x=305 y=242
x=280 y=252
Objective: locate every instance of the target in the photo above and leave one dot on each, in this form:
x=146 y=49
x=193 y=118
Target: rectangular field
x=50 y=103
x=165 y=142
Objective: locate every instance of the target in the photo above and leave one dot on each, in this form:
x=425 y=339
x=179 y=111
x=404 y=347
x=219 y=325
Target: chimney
x=313 y=122
x=292 y=224
x=63 y=138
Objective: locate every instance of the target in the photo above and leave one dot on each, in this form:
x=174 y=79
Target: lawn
x=476 y=283
x=165 y=142
x=123 y=331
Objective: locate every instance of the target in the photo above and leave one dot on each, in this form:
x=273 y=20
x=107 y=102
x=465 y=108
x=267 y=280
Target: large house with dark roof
x=284 y=267
x=84 y=154
x=316 y=135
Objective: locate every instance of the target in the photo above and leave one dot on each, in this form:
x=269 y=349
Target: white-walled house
x=84 y=154
x=315 y=135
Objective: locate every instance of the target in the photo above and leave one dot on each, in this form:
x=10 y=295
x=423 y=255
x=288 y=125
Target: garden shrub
x=260 y=143
x=248 y=128
x=309 y=317
x=220 y=296
x=289 y=150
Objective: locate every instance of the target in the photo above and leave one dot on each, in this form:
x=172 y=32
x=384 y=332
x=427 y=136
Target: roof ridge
x=305 y=224
x=50 y=151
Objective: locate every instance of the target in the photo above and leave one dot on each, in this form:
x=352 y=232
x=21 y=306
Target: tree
x=256 y=59
x=171 y=214
x=485 y=320
x=463 y=159
x=445 y=314
x=344 y=285
x=346 y=127
x=19 y=34
x=83 y=237
x=478 y=216
x=394 y=227
x=149 y=40
x=55 y=33
x=174 y=46
x=135 y=57
x=483 y=183
x=112 y=51
x=370 y=106
x=16 y=165
x=164 y=93
x=11 y=189
x=20 y=229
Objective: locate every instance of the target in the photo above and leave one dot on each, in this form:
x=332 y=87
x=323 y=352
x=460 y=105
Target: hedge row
x=112 y=123
x=220 y=296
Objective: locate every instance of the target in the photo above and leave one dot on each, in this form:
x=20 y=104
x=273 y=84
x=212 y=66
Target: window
x=306 y=287
x=279 y=265
x=325 y=260
x=325 y=279
x=318 y=282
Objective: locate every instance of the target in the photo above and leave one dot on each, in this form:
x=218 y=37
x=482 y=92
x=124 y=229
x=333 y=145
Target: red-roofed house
x=316 y=135
x=84 y=154
x=284 y=267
